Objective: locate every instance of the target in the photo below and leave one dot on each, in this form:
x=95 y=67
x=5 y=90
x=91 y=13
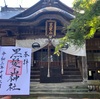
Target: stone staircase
x=66 y=90
x=35 y=74
x=54 y=88
x=76 y=89
x=71 y=74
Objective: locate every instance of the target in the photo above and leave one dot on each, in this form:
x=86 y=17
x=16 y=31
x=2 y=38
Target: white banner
x=28 y=43
x=15 y=70
x=72 y=49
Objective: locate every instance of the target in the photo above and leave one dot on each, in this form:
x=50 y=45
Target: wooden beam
x=84 y=68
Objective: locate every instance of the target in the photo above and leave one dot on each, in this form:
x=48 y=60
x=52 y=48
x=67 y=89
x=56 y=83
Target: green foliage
x=85 y=24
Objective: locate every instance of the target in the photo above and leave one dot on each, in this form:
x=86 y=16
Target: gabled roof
x=47 y=10
x=43 y=6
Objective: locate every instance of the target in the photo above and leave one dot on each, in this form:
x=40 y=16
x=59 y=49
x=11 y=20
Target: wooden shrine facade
x=47 y=20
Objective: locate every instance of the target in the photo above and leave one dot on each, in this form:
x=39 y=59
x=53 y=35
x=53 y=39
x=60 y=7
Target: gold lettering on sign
x=50 y=28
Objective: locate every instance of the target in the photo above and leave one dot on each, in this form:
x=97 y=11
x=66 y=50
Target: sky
x=28 y=3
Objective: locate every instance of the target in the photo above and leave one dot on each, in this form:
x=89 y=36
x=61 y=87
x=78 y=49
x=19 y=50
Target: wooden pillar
x=48 y=74
x=84 y=68
x=32 y=60
x=62 y=67
x=67 y=60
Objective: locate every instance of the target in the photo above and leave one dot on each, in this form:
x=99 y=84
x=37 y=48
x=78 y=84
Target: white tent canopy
x=72 y=49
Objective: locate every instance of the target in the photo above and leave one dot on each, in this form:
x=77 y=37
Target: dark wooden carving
x=8 y=41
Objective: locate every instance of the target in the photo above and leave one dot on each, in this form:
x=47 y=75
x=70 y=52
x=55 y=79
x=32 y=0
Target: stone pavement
x=58 y=90
x=69 y=90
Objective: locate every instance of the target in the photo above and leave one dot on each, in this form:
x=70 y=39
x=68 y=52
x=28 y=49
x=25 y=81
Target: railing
x=94 y=86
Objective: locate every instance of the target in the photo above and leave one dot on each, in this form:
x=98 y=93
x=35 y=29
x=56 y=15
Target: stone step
x=35 y=72
x=72 y=80
x=71 y=90
x=72 y=72
x=71 y=66
x=35 y=80
x=71 y=69
x=55 y=89
x=58 y=91
x=35 y=76
x=72 y=76
x=35 y=68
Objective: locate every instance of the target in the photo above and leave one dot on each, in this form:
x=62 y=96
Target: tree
x=85 y=24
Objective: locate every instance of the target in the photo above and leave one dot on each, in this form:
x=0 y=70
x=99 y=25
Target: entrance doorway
x=41 y=57
x=50 y=68
x=49 y=65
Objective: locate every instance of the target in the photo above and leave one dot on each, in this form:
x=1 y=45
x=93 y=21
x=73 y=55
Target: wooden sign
x=50 y=28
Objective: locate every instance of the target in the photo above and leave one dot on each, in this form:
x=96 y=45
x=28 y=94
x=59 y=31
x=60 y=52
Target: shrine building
x=40 y=27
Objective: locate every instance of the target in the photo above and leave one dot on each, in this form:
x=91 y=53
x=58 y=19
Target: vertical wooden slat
x=84 y=67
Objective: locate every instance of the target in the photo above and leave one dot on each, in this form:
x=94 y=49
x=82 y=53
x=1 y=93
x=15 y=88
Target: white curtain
x=72 y=49
x=28 y=43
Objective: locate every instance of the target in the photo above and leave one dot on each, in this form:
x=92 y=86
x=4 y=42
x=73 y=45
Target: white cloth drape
x=28 y=43
x=72 y=49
